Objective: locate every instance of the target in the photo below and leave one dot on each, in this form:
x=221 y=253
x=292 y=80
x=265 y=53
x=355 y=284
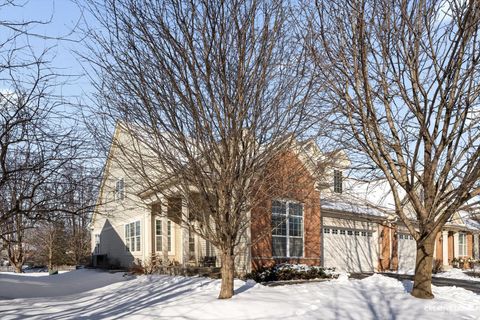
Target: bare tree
x=210 y=92
x=47 y=244
x=81 y=184
x=62 y=236
x=37 y=141
x=404 y=76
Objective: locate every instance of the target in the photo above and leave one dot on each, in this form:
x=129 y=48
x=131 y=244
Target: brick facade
x=286 y=178
x=388 y=241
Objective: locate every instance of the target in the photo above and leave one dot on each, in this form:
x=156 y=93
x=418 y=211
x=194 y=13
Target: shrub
x=152 y=266
x=285 y=272
x=136 y=268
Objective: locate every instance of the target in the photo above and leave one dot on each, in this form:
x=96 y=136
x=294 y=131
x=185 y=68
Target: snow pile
x=30 y=273
x=456 y=274
x=165 y=297
x=305 y=268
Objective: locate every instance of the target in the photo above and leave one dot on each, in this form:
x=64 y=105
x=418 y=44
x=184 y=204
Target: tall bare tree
x=213 y=90
x=404 y=75
x=37 y=141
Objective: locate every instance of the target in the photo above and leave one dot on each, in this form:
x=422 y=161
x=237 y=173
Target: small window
x=400 y=236
x=191 y=245
x=350 y=232
x=370 y=234
x=342 y=232
x=334 y=231
x=209 y=249
x=326 y=230
x=357 y=233
x=158 y=235
x=132 y=236
x=462 y=244
x=120 y=190
x=337 y=181
x=411 y=237
x=97 y=243
x=364 y=233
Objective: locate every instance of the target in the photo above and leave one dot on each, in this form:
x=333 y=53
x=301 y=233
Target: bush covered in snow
x=284 y=271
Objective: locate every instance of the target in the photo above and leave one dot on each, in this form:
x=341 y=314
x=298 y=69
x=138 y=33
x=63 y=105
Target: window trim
x=170 y=223
x=462 y=247
x=97 y=243
x=135 y=236
x=287 y=222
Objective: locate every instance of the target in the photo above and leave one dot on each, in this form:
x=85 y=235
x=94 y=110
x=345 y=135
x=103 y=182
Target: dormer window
x=120 y=190
x=337 y=181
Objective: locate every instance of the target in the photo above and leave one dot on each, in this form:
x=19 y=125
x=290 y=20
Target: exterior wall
x=111 y=215
x=395 y=253
x=286 y=178
x=385 y=250
x=469 y=245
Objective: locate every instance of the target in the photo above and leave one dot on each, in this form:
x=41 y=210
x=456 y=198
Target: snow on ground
x=40 y=284
x=165 y=297
x=28 y=273
x=456 y=274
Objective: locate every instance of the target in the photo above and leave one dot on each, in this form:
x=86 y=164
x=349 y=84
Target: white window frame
x=337 y=181
x=462 y=246
x=287 y=222
x=97 y=243
x=136 y=236
x=119 y=189
x=171 y=236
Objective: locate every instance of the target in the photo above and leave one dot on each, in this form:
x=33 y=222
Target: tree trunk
x=18 y=268
x=227 y=270
x=422 y=281
x=50 y=256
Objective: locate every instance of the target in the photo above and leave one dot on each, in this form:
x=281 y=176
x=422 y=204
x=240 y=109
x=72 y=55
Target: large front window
x=287 y=229
x=132 y=236
x=462 y=244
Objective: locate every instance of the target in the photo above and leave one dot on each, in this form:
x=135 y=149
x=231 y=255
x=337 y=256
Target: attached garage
x=406 y=252
x=350 y=245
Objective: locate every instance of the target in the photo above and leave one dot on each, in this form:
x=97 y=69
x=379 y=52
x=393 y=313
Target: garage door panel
x=406 y=253
x=355 y=252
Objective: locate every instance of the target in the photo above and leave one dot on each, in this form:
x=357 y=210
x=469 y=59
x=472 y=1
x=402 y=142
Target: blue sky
x=65 y=16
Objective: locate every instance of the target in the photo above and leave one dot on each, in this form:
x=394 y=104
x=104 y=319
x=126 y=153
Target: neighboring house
x=362 y=233
x=317 y=220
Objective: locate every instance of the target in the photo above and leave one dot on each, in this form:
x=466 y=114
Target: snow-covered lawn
x=456 y=274
x=40 y=284
x=164 y=297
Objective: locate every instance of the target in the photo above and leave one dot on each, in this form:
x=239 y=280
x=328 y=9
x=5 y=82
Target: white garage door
x=348 y=249
x=406 y=252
